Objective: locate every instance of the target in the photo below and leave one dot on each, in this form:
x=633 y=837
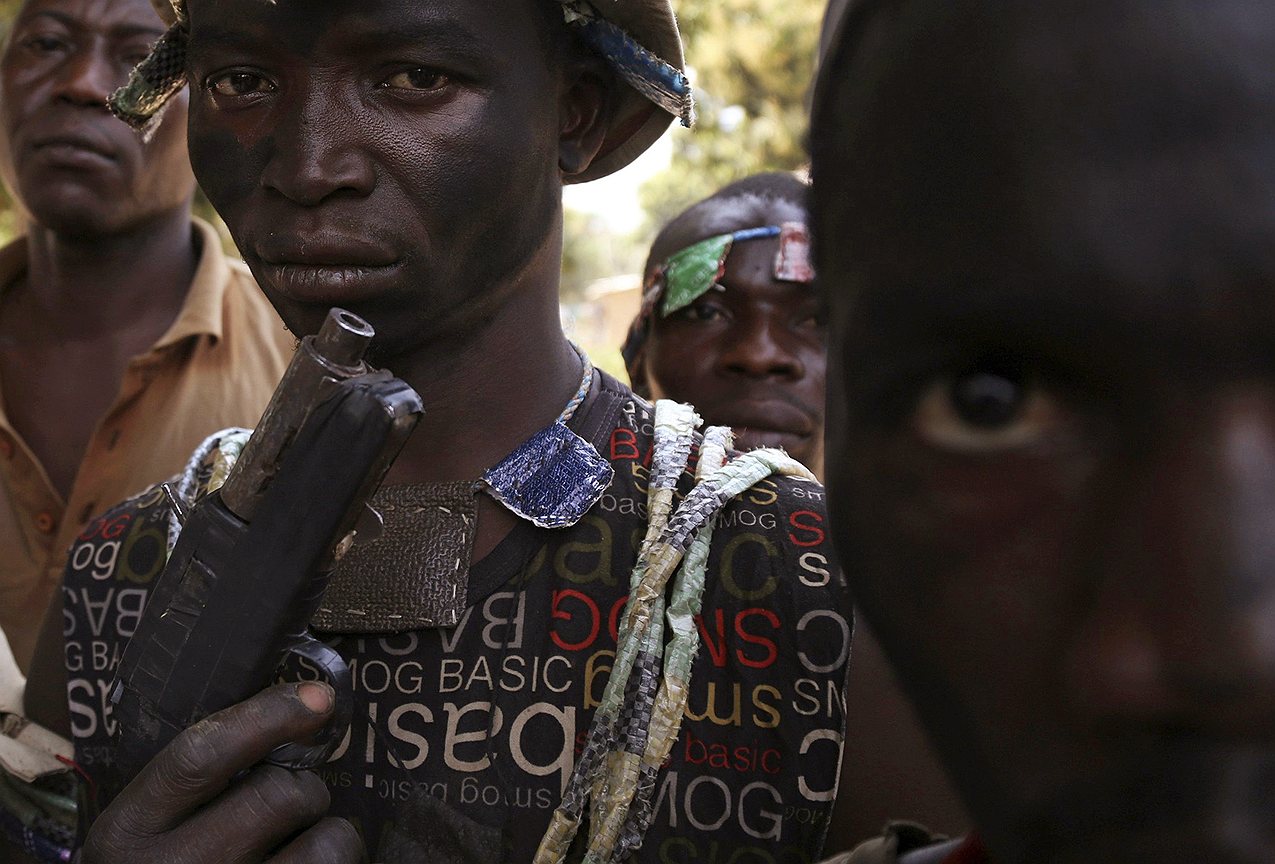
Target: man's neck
x=484 y=394
x=486 y=390
x=135 y=279
x=72 y=323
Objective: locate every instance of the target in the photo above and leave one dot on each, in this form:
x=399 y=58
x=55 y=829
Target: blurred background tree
x=10 y=222
x=752 y=64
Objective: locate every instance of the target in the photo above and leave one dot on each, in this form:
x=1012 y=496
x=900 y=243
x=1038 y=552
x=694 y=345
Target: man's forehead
x=338 y=15
x=1092 y=143
x=1108 y=78
x=104 y=15
x=493 y=34
x=724 y=215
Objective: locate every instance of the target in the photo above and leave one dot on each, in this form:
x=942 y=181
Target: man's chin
x=795 y=445
x=72 y=220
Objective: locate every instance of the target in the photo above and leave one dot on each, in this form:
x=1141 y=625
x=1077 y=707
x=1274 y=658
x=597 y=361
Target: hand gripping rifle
x=254 y=557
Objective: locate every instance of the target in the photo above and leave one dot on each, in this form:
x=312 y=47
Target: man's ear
x=585 y=111
x=637 y=373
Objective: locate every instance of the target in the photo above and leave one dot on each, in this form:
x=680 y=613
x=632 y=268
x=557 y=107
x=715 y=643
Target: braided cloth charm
x=640 y=716
x=141 y=101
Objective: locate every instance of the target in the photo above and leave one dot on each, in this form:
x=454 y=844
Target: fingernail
x=316 y=695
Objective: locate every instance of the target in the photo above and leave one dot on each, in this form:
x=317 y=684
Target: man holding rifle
x=405 y=160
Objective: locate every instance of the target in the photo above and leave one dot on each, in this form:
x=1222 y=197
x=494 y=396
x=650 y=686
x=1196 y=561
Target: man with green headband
x=730 y=321
x=532 y=679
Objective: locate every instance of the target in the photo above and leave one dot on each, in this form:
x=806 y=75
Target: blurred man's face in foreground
x=1047 y=232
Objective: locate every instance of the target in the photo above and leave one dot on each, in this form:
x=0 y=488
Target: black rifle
x=254 y=557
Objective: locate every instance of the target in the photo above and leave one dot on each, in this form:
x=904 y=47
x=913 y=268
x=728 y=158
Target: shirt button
x=44 y=522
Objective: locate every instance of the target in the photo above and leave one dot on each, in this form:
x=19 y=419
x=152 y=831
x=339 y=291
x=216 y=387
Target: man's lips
x=330 y=284
x=768 y=416
x=326 y=267
x=323 y=252
x=75 y=147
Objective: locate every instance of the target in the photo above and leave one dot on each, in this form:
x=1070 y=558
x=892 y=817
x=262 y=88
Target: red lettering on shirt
x=716 y=651
x=772 y=651
x=558 y=613
x=815 y=532
x=624 y=445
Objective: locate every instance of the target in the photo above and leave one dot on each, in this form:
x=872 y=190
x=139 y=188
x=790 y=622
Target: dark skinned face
x=1052 y=409
x=752 y=355
x=397 y=158
x=77 y=169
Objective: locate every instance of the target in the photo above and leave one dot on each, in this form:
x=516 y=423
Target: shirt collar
x=202 y=311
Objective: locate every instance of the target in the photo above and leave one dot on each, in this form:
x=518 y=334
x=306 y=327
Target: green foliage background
x=752 y=64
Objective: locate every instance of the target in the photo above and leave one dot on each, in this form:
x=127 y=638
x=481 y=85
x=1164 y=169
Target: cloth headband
x=690 y=273
x=140 y=103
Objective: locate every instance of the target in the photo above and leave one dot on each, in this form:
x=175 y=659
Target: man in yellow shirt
x=126 y=336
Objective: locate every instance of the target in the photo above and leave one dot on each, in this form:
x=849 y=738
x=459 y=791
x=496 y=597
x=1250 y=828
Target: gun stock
x=253 y=558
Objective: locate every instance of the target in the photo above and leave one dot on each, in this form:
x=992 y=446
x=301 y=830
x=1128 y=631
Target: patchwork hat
x=638 y=39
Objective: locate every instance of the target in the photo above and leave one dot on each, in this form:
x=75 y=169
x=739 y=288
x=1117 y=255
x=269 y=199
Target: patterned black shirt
x=464 y=738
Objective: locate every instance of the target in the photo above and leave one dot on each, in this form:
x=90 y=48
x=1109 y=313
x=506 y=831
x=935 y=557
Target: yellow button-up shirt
x=216 y=366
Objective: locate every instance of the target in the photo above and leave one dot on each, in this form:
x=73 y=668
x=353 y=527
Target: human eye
x=815 y=319
x=703 y=310
x=238 y=86
x=993 y=405
x=45 y=43
x=132 y=55
x=421 y=79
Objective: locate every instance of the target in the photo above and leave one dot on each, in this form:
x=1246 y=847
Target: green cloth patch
x=689 y=274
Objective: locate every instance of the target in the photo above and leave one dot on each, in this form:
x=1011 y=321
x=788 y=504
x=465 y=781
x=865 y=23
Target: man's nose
x=316 y=154
x=89 y=76
x=759 y=347
x=1179 y=629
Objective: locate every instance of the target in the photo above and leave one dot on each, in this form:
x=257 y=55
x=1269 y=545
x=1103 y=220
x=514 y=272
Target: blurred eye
x=703 y=310
x=991 y=407
x=45 y=44
x=421 y=78
x=239 y=84
x=814 y=321
x=134 y=55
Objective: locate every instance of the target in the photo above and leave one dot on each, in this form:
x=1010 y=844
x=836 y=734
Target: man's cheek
x=227 y=170
x=992 y=537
